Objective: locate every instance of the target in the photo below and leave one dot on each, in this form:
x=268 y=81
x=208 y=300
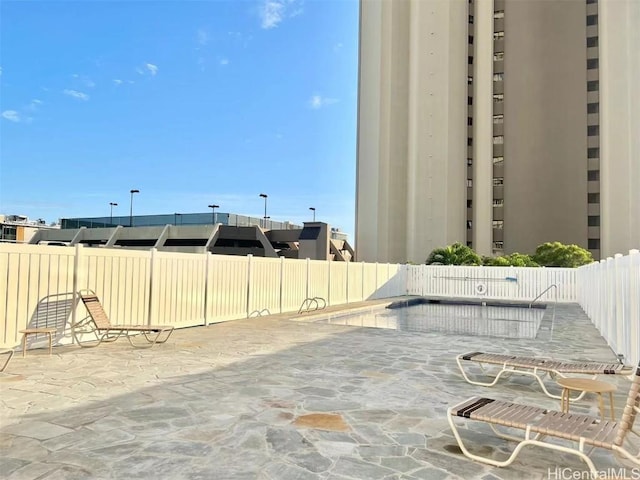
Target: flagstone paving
x=273 y=398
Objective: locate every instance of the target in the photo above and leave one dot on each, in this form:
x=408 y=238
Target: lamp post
x=131 y=207
x=213 y=213
x=111 y=204
x=313 y=209
x=264 y=195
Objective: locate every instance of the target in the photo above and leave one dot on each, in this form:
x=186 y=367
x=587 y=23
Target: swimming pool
x=453 y=319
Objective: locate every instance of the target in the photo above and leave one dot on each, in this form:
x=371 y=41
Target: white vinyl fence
x=506 y=283
x=609 y=293
x=182 y=289
x=150 y=287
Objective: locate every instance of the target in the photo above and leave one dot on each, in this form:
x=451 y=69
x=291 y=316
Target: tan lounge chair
x=98 y=324
x=537 y=367
x=581 y=431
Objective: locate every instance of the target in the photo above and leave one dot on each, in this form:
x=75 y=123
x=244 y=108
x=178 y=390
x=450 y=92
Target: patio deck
x=272 y=398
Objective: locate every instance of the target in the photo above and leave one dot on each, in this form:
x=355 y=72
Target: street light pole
x=131 y=207
x=213 y=213
x=264 y=195
x=111 y=204
x=313 y=209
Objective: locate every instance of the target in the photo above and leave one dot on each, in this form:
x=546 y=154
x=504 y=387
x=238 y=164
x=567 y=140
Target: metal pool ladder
x=555 y=302
x=312 y=304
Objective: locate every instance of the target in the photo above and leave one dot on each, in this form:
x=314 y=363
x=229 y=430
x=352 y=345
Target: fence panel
x=609 y=293
x=36 y=286
x=227 y=287
x=354 y=282
x=338 y=284
x=121 y=279
x=265 y=285
x=318 y=279
x=294 y=284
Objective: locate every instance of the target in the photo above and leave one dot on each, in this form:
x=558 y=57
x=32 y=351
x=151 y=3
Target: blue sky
x=191 y=102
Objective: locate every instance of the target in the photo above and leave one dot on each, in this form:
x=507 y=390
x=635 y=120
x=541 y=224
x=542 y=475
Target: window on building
x=498 y=77
x=593 y=220
x=470 y=244
x=498 y=245
x=498 y=119
x=498 y=35
x=592 y=63
x=593 y=175
x=470 y=60
x=498 y=56
x=498 y=14
x=470 y=39
x=498 y=97
x=469 y=224
x=469 y=142
x=469 y=80
x=592 y=20
x=593 y=244
x=498 y=224
x=592 y=42
x=469 y=100
x=498 y=202
x=593 y=130
x=593 y=107
x=498 y=140
x=469 y=121
x=498 y=160
x=469 y=203
x=469 y=182
x=591 y=1
x=498 y=181
x=593 y=152
x=469 y=161
x=593 y=86
x=470 y=18
x=593 y=198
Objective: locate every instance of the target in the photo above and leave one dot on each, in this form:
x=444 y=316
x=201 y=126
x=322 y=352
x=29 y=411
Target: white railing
x=609 y=293
x=183 y=289
x=505 y=283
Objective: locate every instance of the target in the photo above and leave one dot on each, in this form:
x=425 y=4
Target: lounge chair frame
x=536 y=367
x=9 y=353
x=97 y=324
x=583 y=431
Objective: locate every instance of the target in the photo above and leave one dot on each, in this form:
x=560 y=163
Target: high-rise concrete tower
x=501 y=124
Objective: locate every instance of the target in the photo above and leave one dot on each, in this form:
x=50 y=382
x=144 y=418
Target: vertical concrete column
x=483 y=128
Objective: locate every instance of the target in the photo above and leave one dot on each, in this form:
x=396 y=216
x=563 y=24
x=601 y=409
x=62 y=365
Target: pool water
x=479 y=320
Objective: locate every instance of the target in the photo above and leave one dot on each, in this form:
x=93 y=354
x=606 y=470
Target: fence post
x=249 y=275
x=307 y=263
x=76 y=284
x=634 y=306
x=362 y=282
x=347 y=285
x=151 y=289
x=329 y=283
x=207 y=258
x=281 y=281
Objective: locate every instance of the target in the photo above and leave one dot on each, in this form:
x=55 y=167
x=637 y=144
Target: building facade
x=502 y=124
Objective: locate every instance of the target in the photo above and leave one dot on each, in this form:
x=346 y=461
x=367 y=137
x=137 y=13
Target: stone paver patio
x=273 y=398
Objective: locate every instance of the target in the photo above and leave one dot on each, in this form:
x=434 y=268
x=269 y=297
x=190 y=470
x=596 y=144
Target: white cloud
x=34 y=104
x=153 y=69
x=202 y=37
x=76 y=94
x=11 y=115
x=318 y=101
x=273 y=12
x=117 y=81
x=139 y=70
x=224 y=61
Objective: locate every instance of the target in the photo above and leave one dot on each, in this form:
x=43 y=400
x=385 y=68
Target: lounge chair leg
x=9 y=355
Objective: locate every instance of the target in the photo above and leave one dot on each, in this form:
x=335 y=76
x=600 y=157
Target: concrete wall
x=412 y=128
x=619 y=29
x=545 y=151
